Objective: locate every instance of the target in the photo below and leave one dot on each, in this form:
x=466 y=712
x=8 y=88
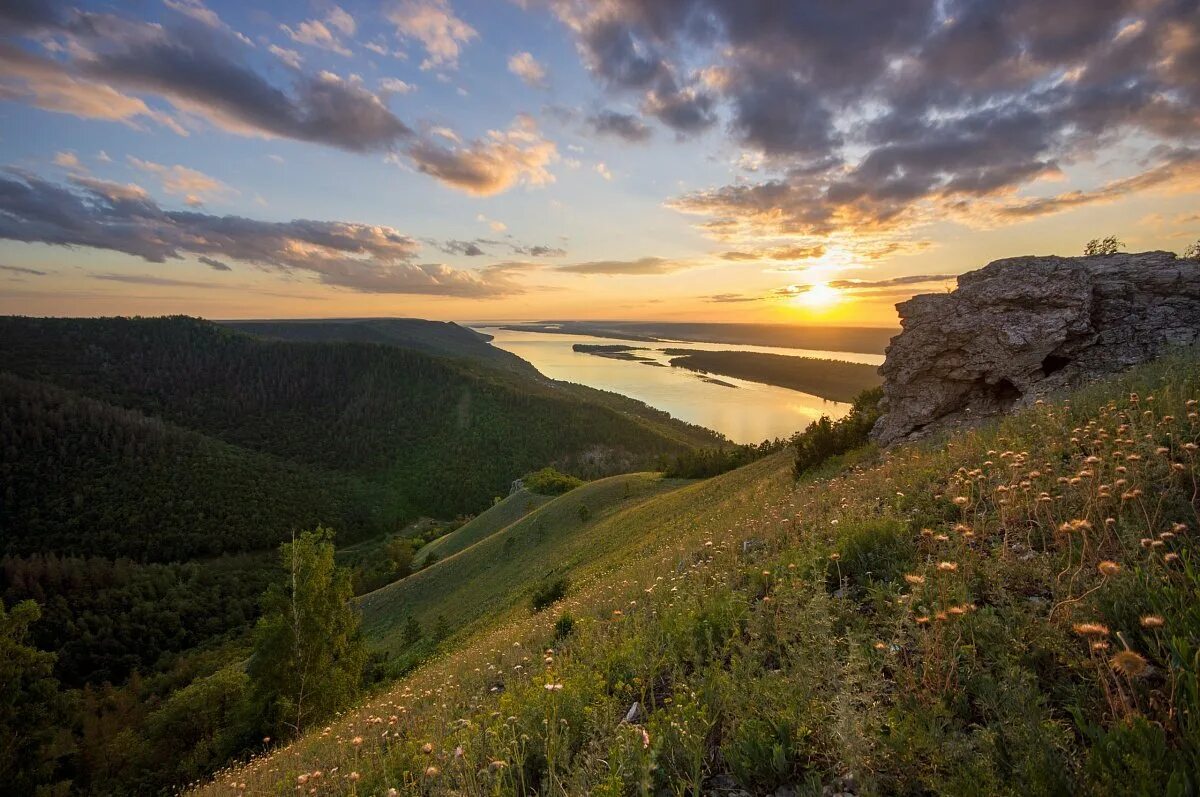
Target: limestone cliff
x=1022 y=327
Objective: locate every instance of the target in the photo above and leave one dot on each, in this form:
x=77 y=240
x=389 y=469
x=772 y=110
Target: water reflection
x=746 y=413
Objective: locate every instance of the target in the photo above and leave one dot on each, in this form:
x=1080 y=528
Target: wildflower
x=833 y=557
x=947 y=567
x=961 y=500
x=1129 y=663
x=356 y=741
x=880 y=646
x=354 y=776
x=922 y=619
x=1152 y=621
x=1091 y=629
x=553 y=687
x=427 y=748
x=1170 y=557
x=1108 y=568
x=497 y=765
x=432 y=771
x=302 y=779
x=1099 y=646
x=915 y=579
x=458 y=751
x=645 y=739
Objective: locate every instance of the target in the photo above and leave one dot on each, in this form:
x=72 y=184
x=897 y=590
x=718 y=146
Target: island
x=612 y=352
x=834 y=380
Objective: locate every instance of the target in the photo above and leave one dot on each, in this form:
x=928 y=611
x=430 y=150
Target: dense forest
x=830 y=379
x=152 y=467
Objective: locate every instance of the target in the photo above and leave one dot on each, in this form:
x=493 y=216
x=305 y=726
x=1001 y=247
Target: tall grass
x=1014 y=610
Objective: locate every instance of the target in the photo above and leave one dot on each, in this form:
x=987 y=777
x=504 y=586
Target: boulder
x=1022 y=327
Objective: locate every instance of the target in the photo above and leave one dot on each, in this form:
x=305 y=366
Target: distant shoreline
x=854 y=340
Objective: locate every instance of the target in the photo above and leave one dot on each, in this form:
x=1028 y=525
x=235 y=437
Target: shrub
x=1103 y=246
x=1193 y=251
x=825 y=438
x=548 y=481
x=549 y=592
x=564 y=626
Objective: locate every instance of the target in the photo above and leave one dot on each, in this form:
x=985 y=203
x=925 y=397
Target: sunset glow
x=473 y=160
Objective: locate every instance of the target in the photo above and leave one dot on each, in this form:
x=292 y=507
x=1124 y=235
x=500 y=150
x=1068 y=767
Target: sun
x=819 y=296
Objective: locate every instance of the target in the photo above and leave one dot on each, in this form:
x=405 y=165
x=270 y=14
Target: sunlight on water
x=747 y=413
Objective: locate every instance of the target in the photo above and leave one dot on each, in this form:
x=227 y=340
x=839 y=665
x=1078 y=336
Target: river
x=749 y=412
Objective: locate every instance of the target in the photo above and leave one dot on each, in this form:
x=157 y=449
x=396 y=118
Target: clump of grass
x=1015 y=609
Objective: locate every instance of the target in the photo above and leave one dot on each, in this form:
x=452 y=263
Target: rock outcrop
x=1020 y=328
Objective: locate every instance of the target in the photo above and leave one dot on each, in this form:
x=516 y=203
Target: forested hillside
x=151 y=468
x=441 y=338
x=442 y=434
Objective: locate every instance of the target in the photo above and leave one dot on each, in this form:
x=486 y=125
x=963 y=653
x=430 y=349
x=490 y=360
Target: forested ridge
x=151 y=467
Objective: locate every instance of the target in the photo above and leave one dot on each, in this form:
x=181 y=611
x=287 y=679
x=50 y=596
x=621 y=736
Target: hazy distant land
x=829 y=379
x=861 y=340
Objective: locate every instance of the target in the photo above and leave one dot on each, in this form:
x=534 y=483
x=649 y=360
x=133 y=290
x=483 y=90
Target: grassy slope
x=830 y=379
x=500 y=571
x=761 y=657
x=504 y=513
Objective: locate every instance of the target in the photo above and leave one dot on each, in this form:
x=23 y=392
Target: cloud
x=895 y=282
x=392 y=85
x=475 y=248
x=197 y=10
x=644 y=265
x=150 y=279
x=195 y=186
x=214 y=264
x=199 y=71
x=496 y=226
x=316 y=33
x=433 y=23
x=878 y=120
x=67 y=160
x=790 y=252
x=122 y=218
x=519 y=155
x=624 y=126
x=30 y=272
x=290 y=57
x=603 y=171
x=730 y=298
x=526 y=67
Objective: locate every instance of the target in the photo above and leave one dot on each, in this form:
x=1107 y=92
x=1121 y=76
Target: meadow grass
x=1012 y=610
x=497 y=517
x=499 y=573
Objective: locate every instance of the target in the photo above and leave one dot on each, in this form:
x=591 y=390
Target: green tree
x=30 y=705
x=400 y=554
x=309 y=653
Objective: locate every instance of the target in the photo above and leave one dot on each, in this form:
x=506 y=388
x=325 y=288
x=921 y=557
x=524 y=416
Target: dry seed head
x=1129 y=663
x=1091 y=629
x=1108 y=568
x=1152 y=621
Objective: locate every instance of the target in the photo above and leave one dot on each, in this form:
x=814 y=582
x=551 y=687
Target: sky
x=802 y=162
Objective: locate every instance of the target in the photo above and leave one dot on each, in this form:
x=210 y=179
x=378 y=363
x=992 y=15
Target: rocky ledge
x=1020 y=328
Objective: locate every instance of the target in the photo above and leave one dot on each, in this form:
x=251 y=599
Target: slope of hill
x=500 y=515
x=1010 y=611
x=440 y=433
x=439 y=338
x=501 y=571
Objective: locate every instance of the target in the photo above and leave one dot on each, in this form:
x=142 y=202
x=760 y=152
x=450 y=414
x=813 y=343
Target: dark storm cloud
x=122 y=218
x=625 y=126
x=876 y=114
